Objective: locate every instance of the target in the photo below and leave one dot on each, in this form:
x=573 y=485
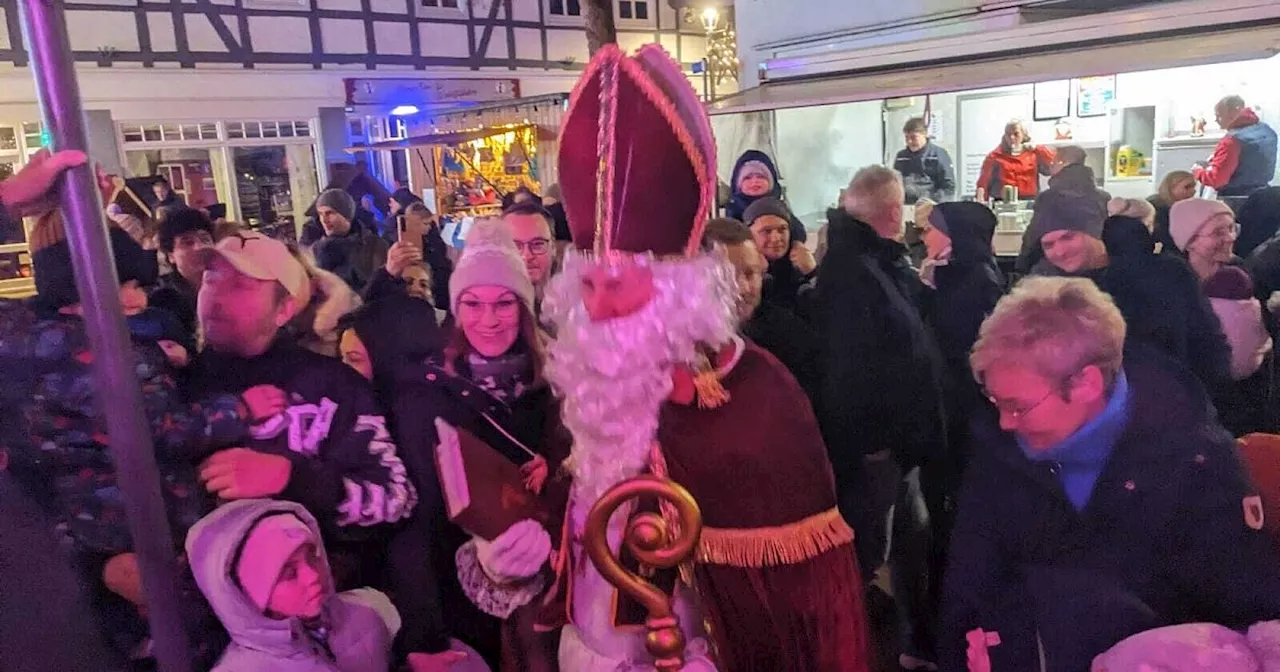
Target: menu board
x=1094 y=95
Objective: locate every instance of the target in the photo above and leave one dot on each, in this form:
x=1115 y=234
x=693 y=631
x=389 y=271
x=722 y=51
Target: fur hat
x=490 y=258
x=340 y=201
x=1186 y=218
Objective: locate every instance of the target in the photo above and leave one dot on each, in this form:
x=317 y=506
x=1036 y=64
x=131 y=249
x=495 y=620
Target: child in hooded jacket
x=262 y=566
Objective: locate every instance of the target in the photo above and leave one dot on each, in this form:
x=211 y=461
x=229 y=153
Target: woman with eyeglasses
x=1205 y=230
x=487 y=381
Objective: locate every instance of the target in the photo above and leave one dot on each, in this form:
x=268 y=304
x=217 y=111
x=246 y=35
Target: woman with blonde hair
x=1178 y=185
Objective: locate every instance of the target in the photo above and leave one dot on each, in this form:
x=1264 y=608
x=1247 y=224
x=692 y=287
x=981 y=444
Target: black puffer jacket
x=881 y=383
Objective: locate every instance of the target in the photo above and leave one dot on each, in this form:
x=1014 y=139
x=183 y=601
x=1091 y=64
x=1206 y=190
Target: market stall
x=1133 y=88
x=466 y=174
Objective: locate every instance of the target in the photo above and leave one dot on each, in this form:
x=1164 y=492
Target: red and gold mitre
x=637 y=157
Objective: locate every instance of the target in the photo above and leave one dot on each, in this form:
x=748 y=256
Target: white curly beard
x=614 y=376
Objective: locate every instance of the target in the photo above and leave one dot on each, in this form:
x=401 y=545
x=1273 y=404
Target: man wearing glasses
x=531 y=228
x=1106 y=501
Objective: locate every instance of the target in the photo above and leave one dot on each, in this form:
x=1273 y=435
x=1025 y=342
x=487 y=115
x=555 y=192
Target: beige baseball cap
x=266 y=258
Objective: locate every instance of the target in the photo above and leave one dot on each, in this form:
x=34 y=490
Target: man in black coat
x=1106 y=501
x=769 y=325
x=880 y=398
x=1158 y=295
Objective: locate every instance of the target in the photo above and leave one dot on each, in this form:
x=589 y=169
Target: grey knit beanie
x=1068 y=211
x=340 y=201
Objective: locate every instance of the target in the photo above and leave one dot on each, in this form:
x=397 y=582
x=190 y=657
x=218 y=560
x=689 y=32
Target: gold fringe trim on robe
x=789 y=544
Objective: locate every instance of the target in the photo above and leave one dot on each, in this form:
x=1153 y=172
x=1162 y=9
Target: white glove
x=516 y=554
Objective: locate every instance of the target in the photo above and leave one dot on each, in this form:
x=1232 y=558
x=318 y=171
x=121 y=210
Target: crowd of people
x=1015 y=473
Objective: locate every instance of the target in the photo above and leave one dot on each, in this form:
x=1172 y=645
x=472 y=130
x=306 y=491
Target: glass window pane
x=624 y=10
x=642 y=10
x=8 y=138
x=286 y=129
x=151 y=134
x=269 y=130
x=252 y=129
x=190 y=132
x=451 y=4
x=190 y=173
x=557 y=7
x=171 y=131
x=235 y=129
x=277 y=184
x=302 y=129
x=208 y=131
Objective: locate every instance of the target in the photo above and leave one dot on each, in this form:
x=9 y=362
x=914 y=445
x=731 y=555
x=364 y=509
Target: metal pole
x=119 y=397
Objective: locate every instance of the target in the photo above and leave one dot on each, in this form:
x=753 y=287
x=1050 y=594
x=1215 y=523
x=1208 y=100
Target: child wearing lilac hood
x=262 y=566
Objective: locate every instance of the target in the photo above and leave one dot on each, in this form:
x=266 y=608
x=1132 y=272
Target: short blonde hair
x=1054 y=326
x=1137 y=208
x=871 y=193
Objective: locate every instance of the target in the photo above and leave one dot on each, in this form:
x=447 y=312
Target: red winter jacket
x=1022 y=171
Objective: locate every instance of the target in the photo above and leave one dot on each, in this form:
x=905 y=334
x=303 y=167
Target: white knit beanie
x=1187 y=217
x=489 y=257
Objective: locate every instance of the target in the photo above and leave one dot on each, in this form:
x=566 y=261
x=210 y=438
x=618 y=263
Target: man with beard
x=655 y=381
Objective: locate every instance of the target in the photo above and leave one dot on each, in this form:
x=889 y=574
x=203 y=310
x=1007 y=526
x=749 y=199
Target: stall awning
x=1051 y=64
x=435 y=139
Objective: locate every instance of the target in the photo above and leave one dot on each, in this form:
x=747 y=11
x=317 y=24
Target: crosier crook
x=650 y=539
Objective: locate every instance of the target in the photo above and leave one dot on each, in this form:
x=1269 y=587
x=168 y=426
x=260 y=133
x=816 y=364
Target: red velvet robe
x=776 y=569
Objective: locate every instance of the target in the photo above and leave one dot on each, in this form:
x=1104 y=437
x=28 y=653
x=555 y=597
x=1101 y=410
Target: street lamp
x=710 y=19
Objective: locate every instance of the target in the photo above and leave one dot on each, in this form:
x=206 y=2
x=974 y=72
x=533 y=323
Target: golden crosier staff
x=650 y=539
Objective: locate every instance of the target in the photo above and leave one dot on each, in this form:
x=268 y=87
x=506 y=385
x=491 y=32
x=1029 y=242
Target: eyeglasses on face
x=503 y=308
x=1015 y=410
x=537 y=246
x=1018 y=411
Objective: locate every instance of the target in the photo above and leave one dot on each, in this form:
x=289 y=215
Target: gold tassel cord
x=710 y=392
x=789 y=544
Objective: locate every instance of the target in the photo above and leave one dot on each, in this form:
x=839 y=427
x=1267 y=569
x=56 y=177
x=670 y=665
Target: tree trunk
x=598 y=16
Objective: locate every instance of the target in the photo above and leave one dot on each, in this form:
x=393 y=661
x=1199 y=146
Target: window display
x=276 y=185
x=193 y=174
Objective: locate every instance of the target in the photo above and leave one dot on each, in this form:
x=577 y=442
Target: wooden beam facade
x=477 y=35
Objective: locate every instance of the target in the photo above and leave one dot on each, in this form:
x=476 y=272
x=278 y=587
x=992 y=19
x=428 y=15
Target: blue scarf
x=1082 y=455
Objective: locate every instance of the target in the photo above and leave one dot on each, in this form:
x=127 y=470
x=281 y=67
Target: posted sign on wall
x=429 y=92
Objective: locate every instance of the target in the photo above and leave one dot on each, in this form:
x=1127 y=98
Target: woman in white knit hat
x=488 y=381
